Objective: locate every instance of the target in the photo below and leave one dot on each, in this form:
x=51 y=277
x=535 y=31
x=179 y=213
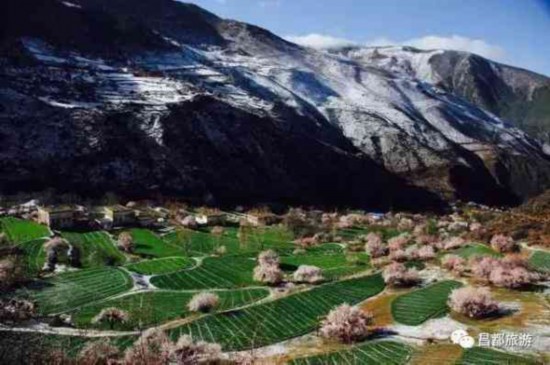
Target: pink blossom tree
x=111 y=316
x=502 y=243
x=126 y=242
x=454 y=263
x=100 y=352
x=203 y=302
x=151 y=348
x=308 y=274
x=425 y=253
x=473 y=302
x=346 y=324
x=374 y=246
x=187 y=351
x=397 y=275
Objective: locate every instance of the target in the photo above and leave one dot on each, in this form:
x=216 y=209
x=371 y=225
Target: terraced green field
x=69 y=291
x=416 y=307
x=153 y=308
x=19 y=231
x=97 y=249
x=202 y=242
x=375 y=353
x=333 y=265
x=214 y=272
x=484 y=356
x=148 y=244
x=161 y=266
x=282 y=319
x=35 y=256
x=475 y=250
x=540 y=260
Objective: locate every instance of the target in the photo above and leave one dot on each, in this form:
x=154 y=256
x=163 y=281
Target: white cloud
x=320 y=41
x=454 y=42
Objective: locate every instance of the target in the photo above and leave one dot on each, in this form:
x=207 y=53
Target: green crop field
x=202 y=242
x=281 y=319
x=375 y=353
x=19 y=231
x=484 y=356
x=165 y=265
x=96 y=248
x=251 y=240
x=420 y=305
x=156 y=307
x=333 y=265
x=540 y=260
x=69 y=291
x=149 y=244
x=35 y=256
x=214 y=272
x=475 y=250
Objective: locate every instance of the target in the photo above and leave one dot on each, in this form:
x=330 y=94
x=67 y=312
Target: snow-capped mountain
x=522 y=97
x=159 y=96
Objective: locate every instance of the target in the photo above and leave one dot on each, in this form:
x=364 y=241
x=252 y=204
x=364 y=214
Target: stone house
x=56 y=217
x=119 y=215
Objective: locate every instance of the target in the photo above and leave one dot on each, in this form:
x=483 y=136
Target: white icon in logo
x=461 y=337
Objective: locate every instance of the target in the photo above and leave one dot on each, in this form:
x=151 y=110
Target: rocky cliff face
x=159 y=97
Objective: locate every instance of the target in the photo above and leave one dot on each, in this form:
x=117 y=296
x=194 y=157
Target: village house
x=145 y=219
x=119 y=215
x=211 y=219
x=56 y=217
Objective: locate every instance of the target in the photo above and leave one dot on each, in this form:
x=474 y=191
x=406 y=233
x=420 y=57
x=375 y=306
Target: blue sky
x=516 y=32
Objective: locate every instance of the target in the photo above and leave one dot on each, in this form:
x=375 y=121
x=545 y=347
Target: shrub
x=269 y=274
x=308 y=274
x=126 y=242
x=111 y=316
x=346 y=324
x=217 y=231
x=221 y=250
x=454 y=263
x=425 y=253
x=374 y=245
x=100 y=352
x=473 y=302
x=203 y=302
x=151 y=348
x=398 y=255
x=16 y=310
x=306 y=242
x=397 y=275
x=187 y=351
x=502 y=243
x=11 y=272
x=268 y=257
